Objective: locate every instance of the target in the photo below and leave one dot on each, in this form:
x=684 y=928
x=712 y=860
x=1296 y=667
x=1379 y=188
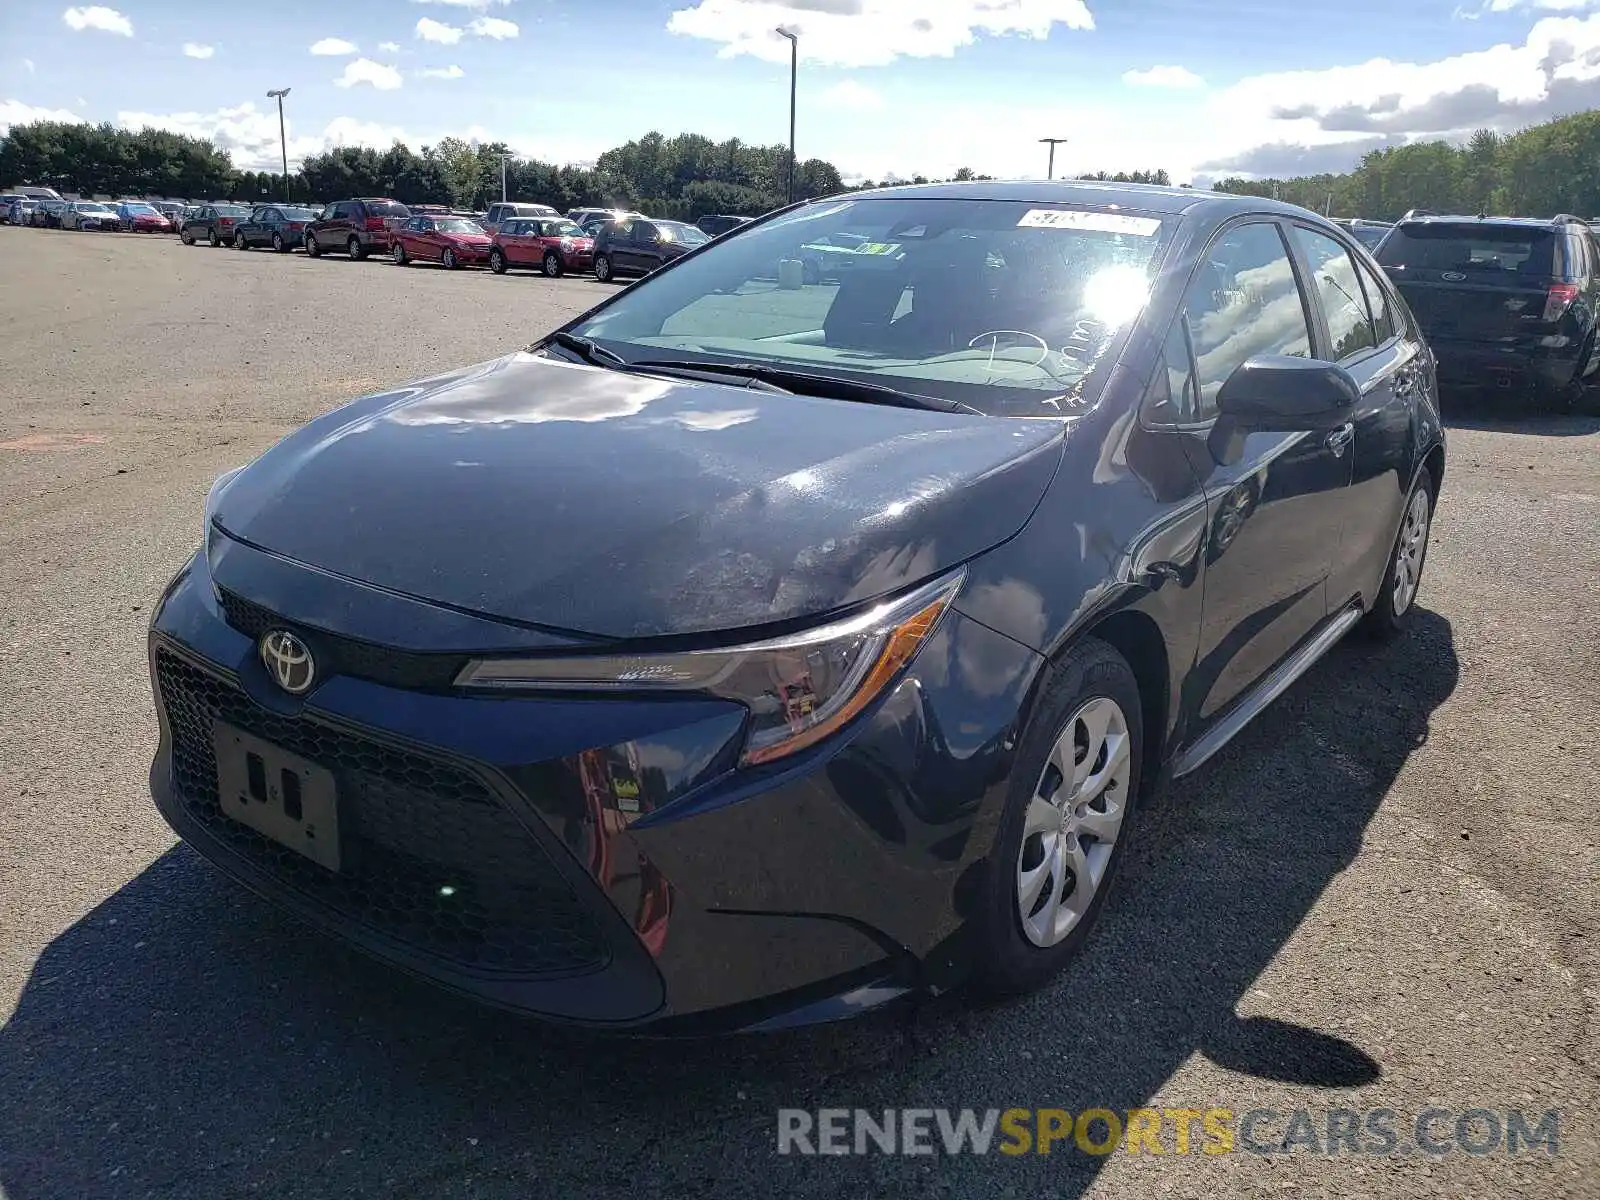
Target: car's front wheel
x=239 y=242
x=312 y=248
x=186 y=237
x=497 y=262
x=1066 y=824
x=213 y=238
x=1387 y=618
x=399 y=255
x=448 y=258
x=552 y=264
x=602 y=268
x=355 y=249
x=278 y=243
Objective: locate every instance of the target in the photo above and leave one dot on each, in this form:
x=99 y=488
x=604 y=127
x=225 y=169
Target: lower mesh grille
x=429 y=855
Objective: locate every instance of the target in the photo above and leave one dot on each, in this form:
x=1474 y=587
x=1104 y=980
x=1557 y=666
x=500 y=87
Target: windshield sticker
x=1066 y=218
x=877 y=247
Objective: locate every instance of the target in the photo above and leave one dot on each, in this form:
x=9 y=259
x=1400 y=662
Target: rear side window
x=1475 y=248
x=1383 y=319
x=1333 y=278
x=1242 y=301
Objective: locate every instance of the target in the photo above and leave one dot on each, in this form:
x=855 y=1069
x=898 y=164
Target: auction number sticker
x=877 y=247
x=1098 y=222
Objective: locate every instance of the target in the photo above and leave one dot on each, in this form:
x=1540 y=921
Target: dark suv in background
x=1507 y=303
x=718 y=224
x=637 y=247
x=358 y=227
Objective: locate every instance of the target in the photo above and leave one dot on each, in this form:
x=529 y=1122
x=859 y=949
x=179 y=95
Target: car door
x=1274 y=512
x=1363 y=335
x=519 y=241
x=646 y=246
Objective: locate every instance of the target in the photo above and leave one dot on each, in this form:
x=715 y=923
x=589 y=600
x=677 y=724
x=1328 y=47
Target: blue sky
x=1199 y=87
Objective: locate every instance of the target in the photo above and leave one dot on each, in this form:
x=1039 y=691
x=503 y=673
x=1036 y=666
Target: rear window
x=386 y=208
x=232 y=210
x=1476 y=249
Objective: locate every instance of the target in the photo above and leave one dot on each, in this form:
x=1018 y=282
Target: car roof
x=1149 y=198
x=1479 y=219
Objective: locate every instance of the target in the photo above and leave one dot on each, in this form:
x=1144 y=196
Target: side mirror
x=1271 y=393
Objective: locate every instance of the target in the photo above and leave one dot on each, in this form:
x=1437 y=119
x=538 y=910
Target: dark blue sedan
x=757 y=648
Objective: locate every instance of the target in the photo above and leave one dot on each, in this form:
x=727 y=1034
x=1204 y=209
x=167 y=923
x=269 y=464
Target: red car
x=448 y=240
x=553 y=244
x=136 y=216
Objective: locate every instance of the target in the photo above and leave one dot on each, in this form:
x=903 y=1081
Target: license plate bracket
x=277 y=793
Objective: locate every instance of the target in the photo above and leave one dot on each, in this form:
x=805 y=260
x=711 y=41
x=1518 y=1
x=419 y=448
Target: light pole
x=1053 y=143
x=794 y=72
x=503 y=156
x=283 y=138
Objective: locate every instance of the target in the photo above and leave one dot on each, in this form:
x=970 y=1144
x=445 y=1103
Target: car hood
x=621 y=505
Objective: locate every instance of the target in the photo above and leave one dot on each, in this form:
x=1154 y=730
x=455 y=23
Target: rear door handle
x=1339 y=438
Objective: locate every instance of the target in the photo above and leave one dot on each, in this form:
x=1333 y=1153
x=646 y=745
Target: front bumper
x=606 y=864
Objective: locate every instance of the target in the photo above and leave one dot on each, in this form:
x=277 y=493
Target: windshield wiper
x=591 y=352
x=807 y=383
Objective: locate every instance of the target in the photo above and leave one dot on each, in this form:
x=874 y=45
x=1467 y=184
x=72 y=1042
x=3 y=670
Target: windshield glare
x=457 y=225
x=1005 y=306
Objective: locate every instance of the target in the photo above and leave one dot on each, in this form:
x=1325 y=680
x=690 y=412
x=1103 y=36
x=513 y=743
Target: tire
x=211 y=237
x=278 y=244
x=312 y=249
x=448 y=259
x=399 y=255
x=1397 y=595
x=355 y=249
x=552 y=265
x=497 y=262
x=186 y=237
x=1088 y=719
x=602 y=268
x=239 y=242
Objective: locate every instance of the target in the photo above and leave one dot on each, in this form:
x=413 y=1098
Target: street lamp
x=283 y=138
x=794 y=71
x=1053 y=142
x=504 y=154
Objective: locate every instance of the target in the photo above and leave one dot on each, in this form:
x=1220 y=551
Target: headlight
x=799 y=689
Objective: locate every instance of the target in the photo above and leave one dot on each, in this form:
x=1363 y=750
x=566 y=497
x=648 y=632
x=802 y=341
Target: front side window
x=1006 y=306
x=1333 y=278
x=1242 y=301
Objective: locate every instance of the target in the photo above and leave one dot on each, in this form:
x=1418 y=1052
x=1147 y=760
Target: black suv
x=1506 y=303
x=638 y=246
x=718 y=224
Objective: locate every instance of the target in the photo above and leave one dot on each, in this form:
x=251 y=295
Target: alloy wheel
x=602 y=268
x=1073 y=821
x=497 y=262
x=277 y=243
x=552 y=265
x=1410 y=549
x=398 y=254
x=213 y=238
x=449 y=260
x=239 y=243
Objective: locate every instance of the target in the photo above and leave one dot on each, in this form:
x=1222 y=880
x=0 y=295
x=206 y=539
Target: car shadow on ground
x=184 y=1039
x=1482 y=412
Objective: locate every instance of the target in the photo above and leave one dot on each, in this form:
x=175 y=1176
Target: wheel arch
x=1138 y=639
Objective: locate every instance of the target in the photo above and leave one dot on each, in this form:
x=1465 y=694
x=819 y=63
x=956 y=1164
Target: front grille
x=428 y=854
x=347 y=656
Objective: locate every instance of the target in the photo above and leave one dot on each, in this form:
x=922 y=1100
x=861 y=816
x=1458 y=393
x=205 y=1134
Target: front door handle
x=1339 y=439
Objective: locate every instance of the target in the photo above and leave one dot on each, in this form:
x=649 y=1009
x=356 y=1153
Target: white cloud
x=465 y=3
x=196 y=50
x=863 y=33
x=849 y=94
x=364 y=70
x=1163 y=77
x=492 y=27
x=389 y=47
x=430 y=30
x=15 y=112
x=28 y=65
x=108 y=20
x=332 y=47
x=451 y=72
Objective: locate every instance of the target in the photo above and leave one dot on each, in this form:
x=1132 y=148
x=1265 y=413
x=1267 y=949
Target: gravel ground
x=1379 y=896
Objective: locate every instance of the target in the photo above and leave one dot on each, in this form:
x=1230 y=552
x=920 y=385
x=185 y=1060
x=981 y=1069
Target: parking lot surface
x=1380 y=896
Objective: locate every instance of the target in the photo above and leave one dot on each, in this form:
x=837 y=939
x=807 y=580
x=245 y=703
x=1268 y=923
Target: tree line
x=1537 y=172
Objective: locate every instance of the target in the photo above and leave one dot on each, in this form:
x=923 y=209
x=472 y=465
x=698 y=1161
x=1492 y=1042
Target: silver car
x=89 y=214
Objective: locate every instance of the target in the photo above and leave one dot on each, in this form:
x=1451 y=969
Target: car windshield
x=141 y=210
x=457 y=225
x=1007 y=307
x=232 y=210
x=297 y=214
x=687 y=234
x=1475 y=248
x=561 y=228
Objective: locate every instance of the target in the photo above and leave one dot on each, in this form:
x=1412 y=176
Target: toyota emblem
x=288 y=660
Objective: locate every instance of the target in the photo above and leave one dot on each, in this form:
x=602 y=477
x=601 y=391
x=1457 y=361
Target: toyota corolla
x=759 y=648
